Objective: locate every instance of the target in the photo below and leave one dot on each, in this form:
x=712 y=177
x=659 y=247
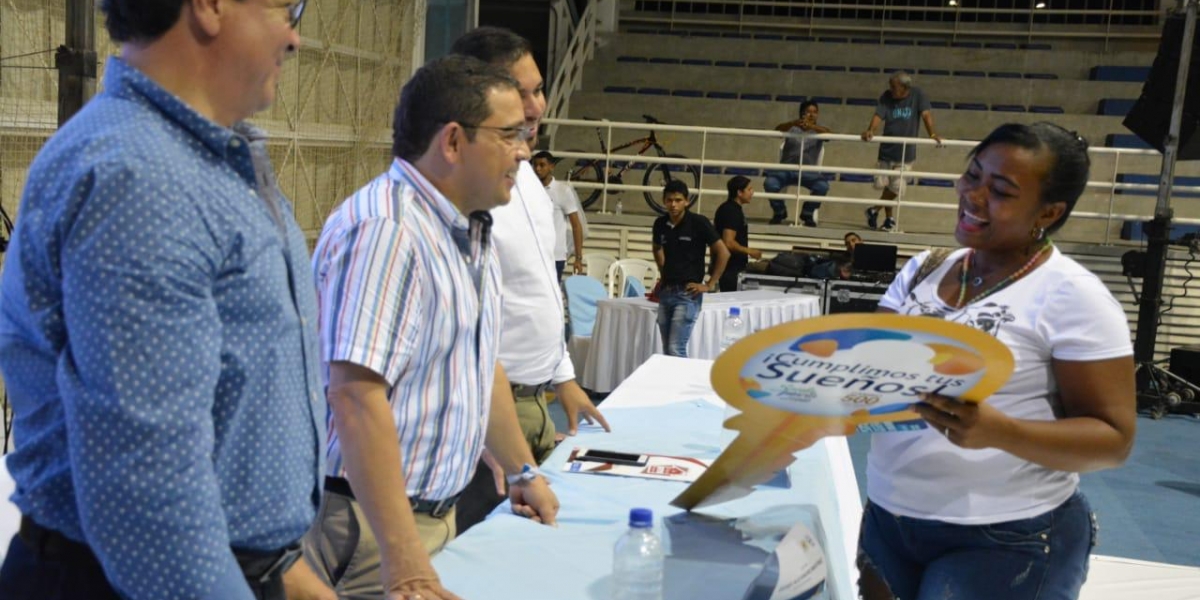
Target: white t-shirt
x=532 y=347
x=566 y=203
x=1059 y=310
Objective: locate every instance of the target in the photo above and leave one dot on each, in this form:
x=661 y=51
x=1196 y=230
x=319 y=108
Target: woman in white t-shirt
x=985 y=503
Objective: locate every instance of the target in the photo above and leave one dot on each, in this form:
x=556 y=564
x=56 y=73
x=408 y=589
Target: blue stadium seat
x=1041 y=76
x=869 y=41
x=1153 y=180
x=930 y=182
x=1125 y=140
x=796 y=67
x=1008 y=108
x=970 y=74
x=1035 y=46
x=1115 y=107
x=1000 y=45
x=663 y=60
x=730 y=63
x=861 y=101
x=641 y=30
x=864 y=69
x=795 y=98
x=688 y=93
x=1047 y=110
x=620 y=89
x=699 y=62
x=630 y=59
x=738 y=35
x=1108 y=73
x=757 y=97
x=1004 y=75
x=933 y=43
x=654 y=91
x=831 y=68
x=1136 y=231
x=833 y=40
x=723 y=95
x=711 y=170
x=744 y=171
x=966 y=45
x=705 y=34
x=942 y=72
x=939 y=104
x=768 y=36
x=898 y=42
x=763 y=65
x=801 y=38
x=823 y=100
x=970 y=106
x=856 y=178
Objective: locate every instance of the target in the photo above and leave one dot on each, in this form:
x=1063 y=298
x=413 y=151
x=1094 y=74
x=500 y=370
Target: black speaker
x=1150 y=117
x=1185 y=362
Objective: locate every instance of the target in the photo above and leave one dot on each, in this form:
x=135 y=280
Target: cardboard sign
x=799 y=382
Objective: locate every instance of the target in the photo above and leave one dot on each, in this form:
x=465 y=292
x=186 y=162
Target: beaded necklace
x=1019 y=273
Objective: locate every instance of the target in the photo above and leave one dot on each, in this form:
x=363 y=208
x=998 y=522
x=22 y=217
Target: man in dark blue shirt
x=680 y=240
x=158 y=326
x=731 y=225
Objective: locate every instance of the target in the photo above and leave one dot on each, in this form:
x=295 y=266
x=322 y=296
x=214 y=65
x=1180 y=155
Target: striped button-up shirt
x=409 y=287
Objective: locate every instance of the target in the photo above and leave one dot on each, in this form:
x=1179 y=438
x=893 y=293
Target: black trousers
x=61 y=569
x=728 y=282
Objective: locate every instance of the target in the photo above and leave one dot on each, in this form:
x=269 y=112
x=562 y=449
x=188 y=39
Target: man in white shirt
x=567 y=212
x=533 y=349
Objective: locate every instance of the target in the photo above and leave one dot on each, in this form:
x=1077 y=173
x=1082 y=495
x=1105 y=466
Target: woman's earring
x=1037 y=233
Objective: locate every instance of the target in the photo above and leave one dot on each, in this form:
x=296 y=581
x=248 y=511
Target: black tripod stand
x=1159 y=390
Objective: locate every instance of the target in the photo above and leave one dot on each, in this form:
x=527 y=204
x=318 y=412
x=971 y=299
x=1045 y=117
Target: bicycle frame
x=647 y=142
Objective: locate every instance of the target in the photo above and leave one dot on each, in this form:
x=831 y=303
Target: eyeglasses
x=295 y=10
x=512 y=135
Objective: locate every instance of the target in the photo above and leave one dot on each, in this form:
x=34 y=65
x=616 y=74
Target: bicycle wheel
x=658 y=175
x=588 y=171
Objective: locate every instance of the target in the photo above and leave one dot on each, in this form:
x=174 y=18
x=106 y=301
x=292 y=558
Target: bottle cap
x=735 y=311
x=641 y=517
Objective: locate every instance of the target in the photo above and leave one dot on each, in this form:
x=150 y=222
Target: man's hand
x=301 y=583
x=534 y=500
x=867 y=135
x=937 y=138
x=755 y=254
x=575 y=402
x=697 y=288
x=578 y=266
x=420 y=588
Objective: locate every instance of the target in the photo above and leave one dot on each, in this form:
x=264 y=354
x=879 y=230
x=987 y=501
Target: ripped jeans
x=1040 y=558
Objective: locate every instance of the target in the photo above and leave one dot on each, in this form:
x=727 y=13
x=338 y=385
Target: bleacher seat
x=663 y=60
x=941 y=72
x=970 y=74
x=933 y=43
x=631 y=59
x=931 y=182
x=1153 y=180
x=654 y=91
x=730 y=63
x=711 y=170
x=826 y=100
x=1035 y=46
x=1041 y=76
x=723 y=95
x=795 y=98
x=1111 y=73
x=801 y=38
x=1000 y=45
x=966 y=45
x=970 y=106
x=1047 y=110
x=1115 y=107
x=1004 y=75
x=1125 y=140
x=744 y=171
x=856 y=178
x=1008 y=108
x=832 y=68
x=705 y=34
x=898 y=42
x=833 y=40
x=697 y=62
x=861 y=101
x=764 y=65
x=620 y=89
x=869 y=41
x=864 y=69
x=796 y=67
x=642 y=30
x=688 y=93
x=768 y=36
x=1136 y=231
x=738 y=35
x=757 y=97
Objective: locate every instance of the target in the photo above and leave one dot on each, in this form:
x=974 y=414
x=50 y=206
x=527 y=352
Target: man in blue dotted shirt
x=158 y=326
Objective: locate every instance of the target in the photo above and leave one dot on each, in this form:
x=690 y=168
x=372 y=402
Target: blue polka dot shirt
x=158 y=341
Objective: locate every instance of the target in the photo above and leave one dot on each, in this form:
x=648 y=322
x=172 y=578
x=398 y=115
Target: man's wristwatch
x=528 y=473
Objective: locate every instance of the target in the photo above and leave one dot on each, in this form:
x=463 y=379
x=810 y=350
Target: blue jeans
x=777 y=181
x=677 y=312
x=1040 y=558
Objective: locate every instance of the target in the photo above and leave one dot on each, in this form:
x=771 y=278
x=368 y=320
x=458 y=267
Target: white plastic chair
x=642 y=270
x=596 y=266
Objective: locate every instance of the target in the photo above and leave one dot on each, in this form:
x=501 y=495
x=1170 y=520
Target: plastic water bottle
x=734 y=328
x=638 y=560
x=617 y=210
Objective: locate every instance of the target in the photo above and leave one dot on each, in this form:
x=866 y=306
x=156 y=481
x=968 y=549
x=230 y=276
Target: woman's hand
x=965 y=424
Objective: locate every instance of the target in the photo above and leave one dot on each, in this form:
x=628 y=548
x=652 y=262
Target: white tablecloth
x=626 y=331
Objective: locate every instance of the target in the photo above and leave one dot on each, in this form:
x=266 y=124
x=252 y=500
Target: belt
x=258 y=567
x=261 y=567
x=521 y=390
x=434 y=508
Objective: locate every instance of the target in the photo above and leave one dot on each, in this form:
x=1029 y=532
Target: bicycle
x=657 y=175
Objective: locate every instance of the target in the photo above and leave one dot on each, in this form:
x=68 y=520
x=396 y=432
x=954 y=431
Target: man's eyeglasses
x=512 y=135
x=295 y=10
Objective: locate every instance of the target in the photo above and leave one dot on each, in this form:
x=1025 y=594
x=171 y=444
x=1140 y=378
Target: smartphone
x=609 y=456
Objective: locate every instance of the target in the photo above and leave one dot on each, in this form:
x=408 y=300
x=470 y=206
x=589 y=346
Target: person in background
x=984 y=503
x=158 y=326
x=851 y=240
x=533 y=349
x=799 y=149
x=901 y=110
x=566 y=215
x=409 y=291
x=681 y=238
x=731 y=225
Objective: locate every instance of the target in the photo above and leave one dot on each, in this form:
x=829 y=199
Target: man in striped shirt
x=409 y=294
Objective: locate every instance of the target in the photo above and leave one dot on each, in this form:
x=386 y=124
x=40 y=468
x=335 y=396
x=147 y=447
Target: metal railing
x=707 y=188
x=569 y=75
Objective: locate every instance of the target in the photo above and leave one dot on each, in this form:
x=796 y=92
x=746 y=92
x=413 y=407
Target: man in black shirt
x=734 y=232
x=680 y=239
